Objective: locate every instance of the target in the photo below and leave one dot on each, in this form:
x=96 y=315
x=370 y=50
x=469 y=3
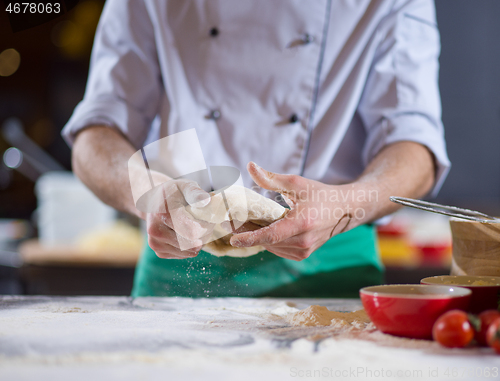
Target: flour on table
x=242 y=205
x=314 y=316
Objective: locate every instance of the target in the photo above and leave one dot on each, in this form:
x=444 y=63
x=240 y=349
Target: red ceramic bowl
x=485 y=289
x=410 y=310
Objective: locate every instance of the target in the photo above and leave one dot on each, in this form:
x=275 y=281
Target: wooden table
x=106 y=338
x=66 y=270
x=34 y=253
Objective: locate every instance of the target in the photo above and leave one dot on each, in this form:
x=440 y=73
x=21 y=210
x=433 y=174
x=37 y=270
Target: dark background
x=470 y=94
x=54 y=65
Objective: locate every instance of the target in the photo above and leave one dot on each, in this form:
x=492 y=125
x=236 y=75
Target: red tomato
x=453 y=329
x=493 y=335
x=486 y=318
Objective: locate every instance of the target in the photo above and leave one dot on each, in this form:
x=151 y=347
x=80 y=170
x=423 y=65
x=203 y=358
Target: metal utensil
x=451 y=211
x=16 y=159
x=13 y=132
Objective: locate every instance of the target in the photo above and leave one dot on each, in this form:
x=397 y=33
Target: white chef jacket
x=315 y=88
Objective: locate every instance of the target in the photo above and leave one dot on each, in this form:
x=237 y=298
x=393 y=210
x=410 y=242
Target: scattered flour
x=314 y=316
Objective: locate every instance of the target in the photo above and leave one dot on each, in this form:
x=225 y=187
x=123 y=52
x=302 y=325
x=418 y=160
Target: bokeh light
x=70 y=38
x=10 y=59
x=13 y=157
x=87 y=14
x=75 y=35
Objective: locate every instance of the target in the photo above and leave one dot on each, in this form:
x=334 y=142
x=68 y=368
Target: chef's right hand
x=172 y=231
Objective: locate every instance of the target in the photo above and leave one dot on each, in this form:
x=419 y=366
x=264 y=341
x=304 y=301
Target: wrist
x=360 y=202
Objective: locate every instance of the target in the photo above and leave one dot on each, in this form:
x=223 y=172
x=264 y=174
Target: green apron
x=339 y=268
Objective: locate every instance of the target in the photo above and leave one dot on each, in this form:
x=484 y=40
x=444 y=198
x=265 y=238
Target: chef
x=332 y=103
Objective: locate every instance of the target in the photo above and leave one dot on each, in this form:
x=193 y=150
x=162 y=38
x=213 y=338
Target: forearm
x=104 y=160
x=403 y=169
x=100 y=159
x=320 y=211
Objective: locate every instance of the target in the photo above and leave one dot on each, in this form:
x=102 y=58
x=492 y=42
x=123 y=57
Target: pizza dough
x=237 y=204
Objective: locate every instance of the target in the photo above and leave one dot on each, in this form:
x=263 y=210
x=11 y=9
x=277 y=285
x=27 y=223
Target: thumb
x=193 y=194
x=284 y=184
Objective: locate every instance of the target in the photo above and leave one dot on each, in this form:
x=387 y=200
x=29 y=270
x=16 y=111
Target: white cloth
x=358 y=75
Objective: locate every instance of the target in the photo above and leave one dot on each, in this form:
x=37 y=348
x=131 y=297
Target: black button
x=307 y=38
x=214 y=32
x=294 y=118
x=214 y=115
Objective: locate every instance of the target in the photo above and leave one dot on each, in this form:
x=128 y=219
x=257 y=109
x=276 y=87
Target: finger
x=183 y=244
x=161 y=232
x=307 y=240
x=175 y=255
x=164 y=222
x=193 y=194
x=270 y=235
x=185 y=225
x=181 y=221
x=283 y=184
x=165 y=254
x=164 y=250
x=158 y=224
x=295 y=253
x=287 y=254
x=172 y=243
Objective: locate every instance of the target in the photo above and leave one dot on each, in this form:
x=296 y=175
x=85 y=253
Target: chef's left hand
x=316 y=215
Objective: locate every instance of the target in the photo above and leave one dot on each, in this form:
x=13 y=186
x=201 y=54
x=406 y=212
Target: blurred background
x=43 y=71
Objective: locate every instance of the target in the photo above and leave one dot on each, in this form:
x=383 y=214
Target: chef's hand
x=170 y=227
x=315 y=215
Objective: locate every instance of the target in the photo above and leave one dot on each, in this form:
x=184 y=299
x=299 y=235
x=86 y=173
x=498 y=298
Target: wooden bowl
x=485 y=289
x=476 y=248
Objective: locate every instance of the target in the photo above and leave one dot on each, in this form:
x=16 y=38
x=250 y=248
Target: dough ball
x=243 y=205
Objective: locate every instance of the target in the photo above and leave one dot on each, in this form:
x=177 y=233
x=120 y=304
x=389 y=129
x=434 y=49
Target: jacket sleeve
x=124 y=85
x=401 y=100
